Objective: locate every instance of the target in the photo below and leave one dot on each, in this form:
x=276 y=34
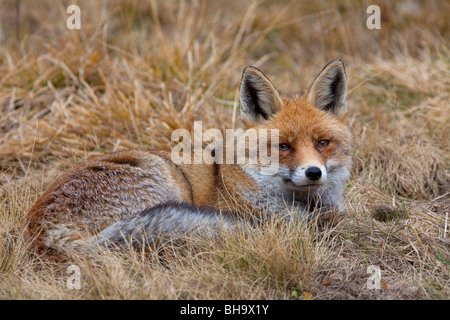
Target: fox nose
x=313 y=173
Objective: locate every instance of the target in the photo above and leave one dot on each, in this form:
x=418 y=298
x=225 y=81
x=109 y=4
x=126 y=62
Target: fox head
x=314 y=146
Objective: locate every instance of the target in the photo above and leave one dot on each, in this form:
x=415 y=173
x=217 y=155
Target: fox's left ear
x=328 y=91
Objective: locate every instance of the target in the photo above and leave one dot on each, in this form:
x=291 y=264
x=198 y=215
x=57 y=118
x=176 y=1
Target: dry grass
x=135 y=72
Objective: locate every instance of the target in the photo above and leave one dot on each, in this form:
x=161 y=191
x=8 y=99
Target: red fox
x=127 y=195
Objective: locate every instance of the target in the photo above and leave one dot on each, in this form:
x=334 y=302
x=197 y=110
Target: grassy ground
x=136 y=71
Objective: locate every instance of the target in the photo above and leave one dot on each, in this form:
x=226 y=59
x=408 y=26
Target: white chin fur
x=290 y=186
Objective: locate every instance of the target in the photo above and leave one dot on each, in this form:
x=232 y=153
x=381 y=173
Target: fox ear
x=259 y=99
x=328 y=91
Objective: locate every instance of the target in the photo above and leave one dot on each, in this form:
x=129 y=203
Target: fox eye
x=284 y=147
x=323 y=143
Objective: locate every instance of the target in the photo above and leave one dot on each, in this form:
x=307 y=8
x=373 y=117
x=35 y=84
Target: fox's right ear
x=328 y=91
x=259 y=99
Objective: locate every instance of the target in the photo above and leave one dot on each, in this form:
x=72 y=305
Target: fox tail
x=165 y=221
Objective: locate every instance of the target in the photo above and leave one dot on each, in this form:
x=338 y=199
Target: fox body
x=135 y=194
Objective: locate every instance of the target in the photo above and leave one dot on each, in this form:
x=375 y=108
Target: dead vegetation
x=136 y=71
